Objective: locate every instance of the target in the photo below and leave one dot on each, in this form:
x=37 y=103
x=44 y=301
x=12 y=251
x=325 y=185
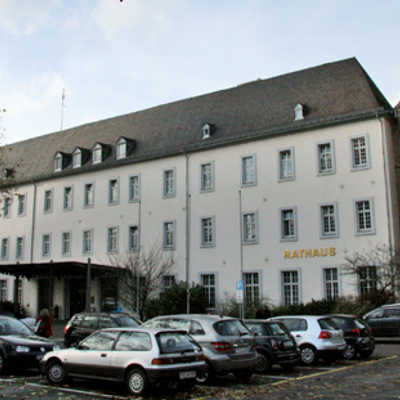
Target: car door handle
x=103 y=355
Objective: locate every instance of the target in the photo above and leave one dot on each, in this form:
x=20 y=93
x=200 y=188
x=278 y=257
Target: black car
x=275 y=345
x=384 y=320
x=83 y=324
x=357 y=335
x=19 y=346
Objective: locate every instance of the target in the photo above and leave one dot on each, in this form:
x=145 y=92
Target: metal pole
x=241 y=312
x=187 y=277
x=16 y=303
x=139 y=248
x=88 y=284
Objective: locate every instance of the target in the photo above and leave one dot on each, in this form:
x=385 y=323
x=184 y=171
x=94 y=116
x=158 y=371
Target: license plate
x=187 y=374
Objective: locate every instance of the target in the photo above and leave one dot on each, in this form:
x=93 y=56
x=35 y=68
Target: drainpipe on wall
x=33 y=222
x=187 y=244
x=137 y=272
x=242 y=312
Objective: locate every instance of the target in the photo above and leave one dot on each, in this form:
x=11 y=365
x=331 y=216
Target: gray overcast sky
x=116 y=57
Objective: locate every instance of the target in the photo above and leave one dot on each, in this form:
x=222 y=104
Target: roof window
x=206 y=131
x=120 y=149
x=97 y=153
x=298 y=112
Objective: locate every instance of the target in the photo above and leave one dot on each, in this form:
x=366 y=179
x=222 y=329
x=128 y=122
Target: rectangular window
x=112 y=239
x=67 y=198
x=286 y=164
x=252 y=287
x=134 y=188
x=290 y=286
x=133 y=244
x=97 y=154
x=208 y=232
x=249 y=175
x=208 y=284
x=88 y=197
x=169 y=183
x=250 y=228
x=19 y=248
x=48 y=201
x=169 y=235
x=4 y=249
x=66 y=244
x=360 y=154
x=121 y=149
x=328 y=220
x=207 y=177
x=364 y=217
x=168 y=281
x=113 y=191
x=87 y=242
x=46 y=245
x=331 y=283
x=288 y=224
x=21 y=204
x=77 y=159
x=367 y=280
x=6 y=206
x=326 y=162
x=3 y=290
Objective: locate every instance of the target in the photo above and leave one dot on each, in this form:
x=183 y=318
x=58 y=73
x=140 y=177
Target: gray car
x=138 y=357
x=227 y=343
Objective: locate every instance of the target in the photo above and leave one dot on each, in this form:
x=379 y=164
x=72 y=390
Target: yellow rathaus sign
x=310 y=253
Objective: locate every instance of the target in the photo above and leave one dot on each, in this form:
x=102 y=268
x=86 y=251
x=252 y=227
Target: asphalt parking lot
x=376 y=378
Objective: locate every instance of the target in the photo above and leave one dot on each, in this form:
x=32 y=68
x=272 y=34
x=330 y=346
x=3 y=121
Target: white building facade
x=275 y=202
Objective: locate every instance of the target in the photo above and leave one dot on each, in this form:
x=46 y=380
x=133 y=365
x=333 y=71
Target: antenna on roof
x=62 y=109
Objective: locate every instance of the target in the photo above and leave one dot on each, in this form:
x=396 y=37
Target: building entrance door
x=43 y=293
x=77 y=291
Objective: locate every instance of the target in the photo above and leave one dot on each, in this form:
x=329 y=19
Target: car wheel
x=263 y=363
x=55 y=373
x=2 y=364
x=308 y=355
x=204 y=377
x=349 y=353
x=366 y=353
x=136 y=382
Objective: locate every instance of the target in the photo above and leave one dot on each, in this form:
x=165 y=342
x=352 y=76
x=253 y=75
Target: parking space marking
x=277 y=377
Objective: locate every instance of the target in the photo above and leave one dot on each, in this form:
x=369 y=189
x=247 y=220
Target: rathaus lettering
x=307 y=253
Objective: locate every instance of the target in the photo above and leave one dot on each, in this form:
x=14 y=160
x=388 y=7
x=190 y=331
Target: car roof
x=209 y=317
x=103 y=314
x=154 y=331
x=350 y=316
x=298 y=316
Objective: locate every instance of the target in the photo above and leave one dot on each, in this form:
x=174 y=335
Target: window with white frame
x=77 y=159
x=87 y=242
x=364 y=218
x=97 y=154
x=169 y=183
x=3 y=290
x=360 y=153
x=19 y=291
x=58 y=161
x=88 y=196
x=207 y=177
x=250 y=228
x=66 y=243
x=120 y=150
x=326 y=162
x=6 y=206
x=328 y=220
x=134 y=188
x=168 y=281
x=67 y=203
x=252 y=287
x=290 y=287
x=208 y=232
x=288 y=224
x=133 y=239
x=286 y=164
x=113 y=191
x=331 y=281
x=169 y=235
x=48 y=201
x=46 y=245
x=249 y=175
x=4 y=248
x=112 y=239
x=367 y=280
x=208 y=285
x=21 y=204
x=19 y=248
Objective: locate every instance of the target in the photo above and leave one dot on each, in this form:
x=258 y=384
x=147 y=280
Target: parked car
x=384 y=320
x=357 y=334
x=138 y=357
x=227 y=344
x=19 y=346
x=274 y=344
x=83 y=324
x=316 y=336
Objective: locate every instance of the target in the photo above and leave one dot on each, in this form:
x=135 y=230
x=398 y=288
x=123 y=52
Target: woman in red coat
x=44 y=324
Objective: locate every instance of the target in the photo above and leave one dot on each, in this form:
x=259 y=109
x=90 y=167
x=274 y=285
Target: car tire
x=263 y=363
x=243 y=376
x=308 y=355
x=137 y=382
x=350 y=352
x=55 y=373
x=206 y=377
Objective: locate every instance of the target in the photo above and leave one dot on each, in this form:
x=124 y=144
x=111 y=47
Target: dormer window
x=58 y=162
x=97 y=154
x=121 y=149
x=206 y=131
x=298 y=112
x=77 y=158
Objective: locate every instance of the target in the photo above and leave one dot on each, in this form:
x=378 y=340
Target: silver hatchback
x=227 y=344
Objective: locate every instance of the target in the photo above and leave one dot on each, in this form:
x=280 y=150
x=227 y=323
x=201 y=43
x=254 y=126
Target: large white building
x=275 y=179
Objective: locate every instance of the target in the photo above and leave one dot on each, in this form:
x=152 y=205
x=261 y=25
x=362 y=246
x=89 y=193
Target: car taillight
x=325 y=335
x=66 y=329
x=356 y=331
x=221 y=346
x=162 y=361
x=274 y=345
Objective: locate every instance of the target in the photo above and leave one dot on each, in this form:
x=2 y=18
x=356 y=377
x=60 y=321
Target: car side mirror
x=83 y=347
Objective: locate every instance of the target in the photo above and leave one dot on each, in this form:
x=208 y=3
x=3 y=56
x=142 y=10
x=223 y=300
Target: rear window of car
x=344 y=323
x=89 y=321
x=175 y=342
x=125 y=320
x=295 y=324
x=327 y=323
x=231 y=327
x=133 y=341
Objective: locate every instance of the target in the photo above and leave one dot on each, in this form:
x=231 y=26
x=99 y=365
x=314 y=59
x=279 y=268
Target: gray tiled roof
x=332 y=93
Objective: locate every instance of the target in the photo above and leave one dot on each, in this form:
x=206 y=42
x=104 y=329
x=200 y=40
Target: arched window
x=77 y=158
x=58 y=162
x=97 y=154
x=120 y=149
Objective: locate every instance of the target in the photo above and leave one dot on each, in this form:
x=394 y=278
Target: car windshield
x=175 y=342
x=14 y=327
x=125 y=320
x=231 y=327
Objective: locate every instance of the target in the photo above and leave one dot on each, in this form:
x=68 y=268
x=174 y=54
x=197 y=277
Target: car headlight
x=22 y=349
x=56 y=347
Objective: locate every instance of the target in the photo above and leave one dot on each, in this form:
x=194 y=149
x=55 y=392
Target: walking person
x=44 y=324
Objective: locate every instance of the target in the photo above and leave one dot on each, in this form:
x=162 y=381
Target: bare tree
x=141 y=276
